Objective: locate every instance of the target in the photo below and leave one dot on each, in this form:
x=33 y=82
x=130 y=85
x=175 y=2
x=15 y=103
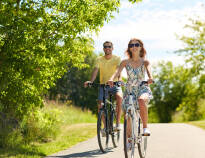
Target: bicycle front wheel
x=129 y=140
x=142 y=140
x=114 y=132
x=102 y=132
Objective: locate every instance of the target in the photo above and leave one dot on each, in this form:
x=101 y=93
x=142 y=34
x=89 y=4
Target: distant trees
x=182 y=88
x=70 y=86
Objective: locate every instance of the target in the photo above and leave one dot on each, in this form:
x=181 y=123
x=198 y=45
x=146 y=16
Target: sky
x=155 y=22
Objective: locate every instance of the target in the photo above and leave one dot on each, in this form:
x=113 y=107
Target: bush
x=42 y=125
x=9 y=137
x=201 y=108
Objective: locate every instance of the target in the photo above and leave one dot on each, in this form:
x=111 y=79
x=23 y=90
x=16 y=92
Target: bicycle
x=107 y=120
x=137 y=137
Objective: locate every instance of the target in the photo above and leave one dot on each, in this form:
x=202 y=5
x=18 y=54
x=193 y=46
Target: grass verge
x=76 y=126
x=200 y=123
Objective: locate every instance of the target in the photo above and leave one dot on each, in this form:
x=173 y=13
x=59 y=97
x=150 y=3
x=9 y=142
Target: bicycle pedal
x=146 y=134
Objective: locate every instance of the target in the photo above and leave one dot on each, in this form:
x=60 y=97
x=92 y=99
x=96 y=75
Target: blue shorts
x=112 y=90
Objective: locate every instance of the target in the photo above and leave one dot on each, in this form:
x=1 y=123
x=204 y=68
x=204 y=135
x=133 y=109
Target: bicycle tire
x=102 y=140
x=128 y=153
x=114 y=133
x=142 y=143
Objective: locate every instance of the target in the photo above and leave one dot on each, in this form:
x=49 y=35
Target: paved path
x=166 y=141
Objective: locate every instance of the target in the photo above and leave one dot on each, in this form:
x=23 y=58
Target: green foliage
x=41 y=125
x=194 y=48
x=153 y=115
x=200 y=123
x=37 y=40
x=134 y=1
x=201 y=109
x=194 y=51
x=171 y=88
x=9 y=137
x=179 y=90
x=70 y=86
x=50 y=129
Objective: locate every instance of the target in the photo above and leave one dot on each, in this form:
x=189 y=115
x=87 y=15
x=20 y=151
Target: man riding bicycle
x=107 y=65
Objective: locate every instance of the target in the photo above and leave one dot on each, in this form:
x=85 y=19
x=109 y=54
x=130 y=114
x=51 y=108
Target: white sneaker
x=103 y=132
x=117 y=128
x=146 y=132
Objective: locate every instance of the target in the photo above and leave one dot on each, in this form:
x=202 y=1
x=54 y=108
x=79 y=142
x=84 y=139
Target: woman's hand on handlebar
x=150 y=81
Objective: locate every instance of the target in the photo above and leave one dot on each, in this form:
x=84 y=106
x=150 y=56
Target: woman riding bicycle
x=136 y=65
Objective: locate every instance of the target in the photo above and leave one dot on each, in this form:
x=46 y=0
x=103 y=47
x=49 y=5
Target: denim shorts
x=112 y=90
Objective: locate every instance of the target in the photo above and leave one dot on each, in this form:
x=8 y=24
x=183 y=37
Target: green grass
x=76 y=126
x=200 y=123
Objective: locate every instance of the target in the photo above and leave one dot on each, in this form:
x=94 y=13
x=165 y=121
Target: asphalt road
x=166 y=141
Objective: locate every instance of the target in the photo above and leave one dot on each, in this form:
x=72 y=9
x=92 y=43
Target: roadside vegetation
x=53 y=128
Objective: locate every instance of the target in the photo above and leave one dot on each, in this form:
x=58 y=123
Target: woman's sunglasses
x=134 y=45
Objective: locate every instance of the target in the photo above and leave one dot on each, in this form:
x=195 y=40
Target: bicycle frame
x=107 y=109
x=136 y=136
x=106 y=119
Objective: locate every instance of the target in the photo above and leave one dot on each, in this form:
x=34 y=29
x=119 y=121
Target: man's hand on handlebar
x=86 y=83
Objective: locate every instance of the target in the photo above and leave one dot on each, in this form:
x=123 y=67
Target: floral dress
x=135 y=77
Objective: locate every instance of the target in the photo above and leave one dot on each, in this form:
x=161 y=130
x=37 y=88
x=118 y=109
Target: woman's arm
x=148 y=69
x=117 y=72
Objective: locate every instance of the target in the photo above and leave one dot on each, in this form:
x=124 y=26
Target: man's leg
x=103 y=117
x=100 y=101
x=118 y=108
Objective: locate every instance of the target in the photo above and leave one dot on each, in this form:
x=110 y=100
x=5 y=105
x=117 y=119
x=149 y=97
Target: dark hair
x=107 y=42
x=142 y=52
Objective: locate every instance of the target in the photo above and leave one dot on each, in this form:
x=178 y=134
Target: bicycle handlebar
x=117 y=83
x=145 y=82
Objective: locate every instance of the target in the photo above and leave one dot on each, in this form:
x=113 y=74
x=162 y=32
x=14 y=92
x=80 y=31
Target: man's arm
x=94 y=74
x=93 y=77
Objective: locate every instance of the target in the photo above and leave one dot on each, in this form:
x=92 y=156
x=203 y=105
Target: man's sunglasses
x=107 y=47
x=134 y=45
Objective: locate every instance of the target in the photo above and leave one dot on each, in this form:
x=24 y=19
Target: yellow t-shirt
x=107 y=67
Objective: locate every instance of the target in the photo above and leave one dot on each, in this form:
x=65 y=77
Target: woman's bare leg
x=143 y=109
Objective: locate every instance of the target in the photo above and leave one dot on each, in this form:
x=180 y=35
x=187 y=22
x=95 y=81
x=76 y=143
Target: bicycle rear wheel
x=129 y=141
x=142 y=140
x=102 y=132
x=114 y=133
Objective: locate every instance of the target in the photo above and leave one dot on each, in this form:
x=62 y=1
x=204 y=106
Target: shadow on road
x=91 y=153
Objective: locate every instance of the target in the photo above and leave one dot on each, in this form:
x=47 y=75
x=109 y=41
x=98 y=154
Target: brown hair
x=142 y=52
x=107 y=42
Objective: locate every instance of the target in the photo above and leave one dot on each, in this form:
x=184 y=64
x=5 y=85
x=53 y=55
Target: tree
x=194 y=46
x=170 y=89
x=37 y=40
x=70 y=86
x=194 y=51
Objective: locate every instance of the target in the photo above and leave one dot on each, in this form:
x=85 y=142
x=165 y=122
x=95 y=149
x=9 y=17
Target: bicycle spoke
x=103 y=136
x=129 y=141
x=142 y=142
x=115 y=133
